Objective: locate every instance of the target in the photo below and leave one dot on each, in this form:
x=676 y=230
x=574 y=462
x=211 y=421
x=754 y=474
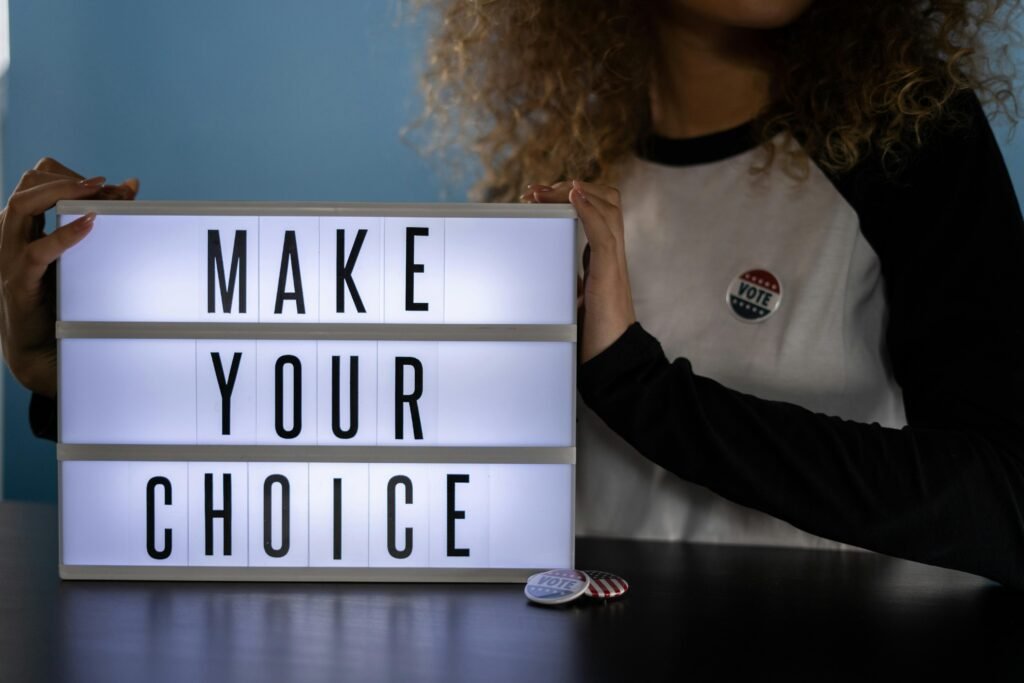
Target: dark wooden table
x=695 y=612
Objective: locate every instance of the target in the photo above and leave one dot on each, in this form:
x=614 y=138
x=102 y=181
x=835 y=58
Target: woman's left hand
x=607 y=298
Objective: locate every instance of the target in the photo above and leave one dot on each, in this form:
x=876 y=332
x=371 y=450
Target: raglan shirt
x=875 y=400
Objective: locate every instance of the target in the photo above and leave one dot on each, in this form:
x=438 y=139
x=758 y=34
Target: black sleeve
x=42 y=416
x=947 y=489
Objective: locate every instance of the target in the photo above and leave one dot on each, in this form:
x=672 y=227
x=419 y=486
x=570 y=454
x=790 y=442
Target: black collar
x=701 y=149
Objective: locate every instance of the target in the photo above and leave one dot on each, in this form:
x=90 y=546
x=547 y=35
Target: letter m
x=218 y=279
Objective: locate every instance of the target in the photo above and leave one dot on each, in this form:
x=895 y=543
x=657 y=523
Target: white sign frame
x=565 y=456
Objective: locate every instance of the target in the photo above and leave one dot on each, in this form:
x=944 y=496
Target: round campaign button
x=754 y=295
x=604 y=585
x=556 y=586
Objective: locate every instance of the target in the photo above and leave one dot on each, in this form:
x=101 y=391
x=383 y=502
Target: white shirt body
x=690 y=230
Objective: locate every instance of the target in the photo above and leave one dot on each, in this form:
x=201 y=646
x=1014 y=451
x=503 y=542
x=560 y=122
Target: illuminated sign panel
x=317 y=392
x=309 y=269
x=301 y=514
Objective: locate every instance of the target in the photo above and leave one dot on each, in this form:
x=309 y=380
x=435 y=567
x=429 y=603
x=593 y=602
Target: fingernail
x=86 y=222
x=92 y=182
x=579 y=193
x=538 y=188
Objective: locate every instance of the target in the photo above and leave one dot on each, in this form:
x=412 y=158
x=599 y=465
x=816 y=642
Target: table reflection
x=307 y=632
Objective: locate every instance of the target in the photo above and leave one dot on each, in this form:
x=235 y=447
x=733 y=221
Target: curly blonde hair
x=535 y=94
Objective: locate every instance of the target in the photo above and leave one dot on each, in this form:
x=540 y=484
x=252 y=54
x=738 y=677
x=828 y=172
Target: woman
x=841 y=282
x=820 y=230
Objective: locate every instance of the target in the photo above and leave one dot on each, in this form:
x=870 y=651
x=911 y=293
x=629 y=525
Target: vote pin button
x=556 y=586
x=604 y=585
x=754 y=295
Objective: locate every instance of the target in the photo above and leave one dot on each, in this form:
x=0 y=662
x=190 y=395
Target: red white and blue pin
x=560 y=586
x=604 y=585
x=754 y=295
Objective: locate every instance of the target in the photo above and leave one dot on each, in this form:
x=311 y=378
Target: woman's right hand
x=26 y=259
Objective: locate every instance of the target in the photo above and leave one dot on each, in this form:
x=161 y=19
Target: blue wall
x=217 y=99
x=210 y=99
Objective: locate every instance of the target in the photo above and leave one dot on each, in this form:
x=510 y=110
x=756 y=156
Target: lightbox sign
x=254 y=391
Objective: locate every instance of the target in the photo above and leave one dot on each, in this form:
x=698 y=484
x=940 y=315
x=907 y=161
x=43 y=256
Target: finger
x=126 y=190
x=604 y=206
x=115 y=193
x=40 y=253
x=554 y=196
x=39 y=199
x=527 y=194
x=32 y=178
x=598 y=232
x=606 y=192
x=611 y=213
x=558 y=192
x=51 y=165
x=530 y=188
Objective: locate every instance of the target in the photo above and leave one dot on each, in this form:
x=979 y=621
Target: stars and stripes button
x=604 y=585
x=754 y=295
x=556 y=586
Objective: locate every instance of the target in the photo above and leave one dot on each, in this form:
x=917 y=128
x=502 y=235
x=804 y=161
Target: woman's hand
x=26 y=257
x=607 y=298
